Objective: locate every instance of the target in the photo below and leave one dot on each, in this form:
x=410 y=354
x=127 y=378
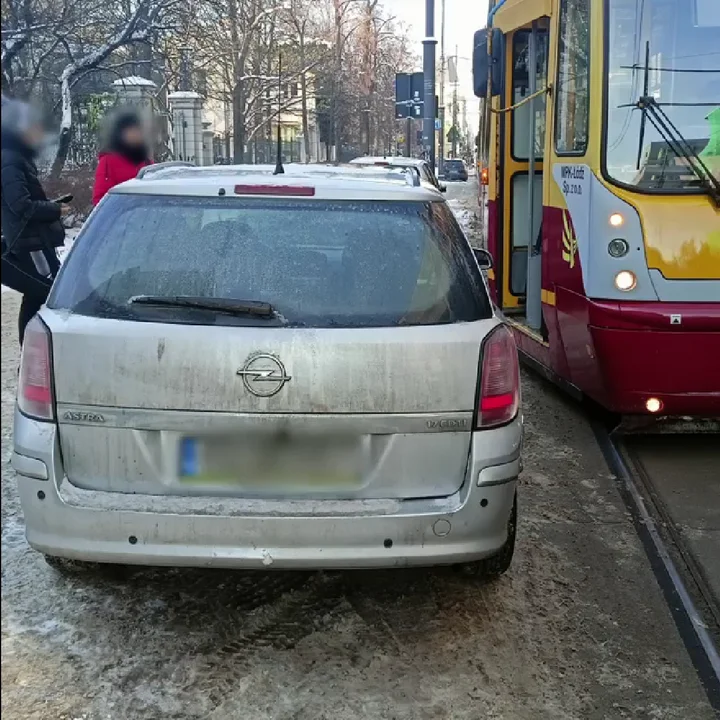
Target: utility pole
x=429 y=44
x=455 y=107
x=279 y=170
x=368 y=149
x=441 y=109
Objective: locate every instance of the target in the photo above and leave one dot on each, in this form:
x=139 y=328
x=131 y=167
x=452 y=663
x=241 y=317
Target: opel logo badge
x=263 y=375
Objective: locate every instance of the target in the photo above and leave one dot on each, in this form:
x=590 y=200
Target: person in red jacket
x=125 y=154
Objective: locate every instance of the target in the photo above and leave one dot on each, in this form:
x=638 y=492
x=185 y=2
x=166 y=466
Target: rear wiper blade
x=253 y=308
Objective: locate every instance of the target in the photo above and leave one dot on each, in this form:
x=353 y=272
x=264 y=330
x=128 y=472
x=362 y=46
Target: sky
x=462 y=19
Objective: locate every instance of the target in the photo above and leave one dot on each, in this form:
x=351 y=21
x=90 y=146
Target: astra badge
x=263 y=375
x=83 y=417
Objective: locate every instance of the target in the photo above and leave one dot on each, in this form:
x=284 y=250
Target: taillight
x=500 y=380
x=484 y=177
x=35 y=394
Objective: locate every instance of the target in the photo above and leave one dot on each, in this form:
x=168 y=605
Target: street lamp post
x=441 y=109
x=455 y=107
x=279 y=170
x=366 y=112
x=429 y=44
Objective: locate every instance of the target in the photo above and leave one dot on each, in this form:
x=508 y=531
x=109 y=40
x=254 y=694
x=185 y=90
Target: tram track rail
x=649 y=515
x=710 y=600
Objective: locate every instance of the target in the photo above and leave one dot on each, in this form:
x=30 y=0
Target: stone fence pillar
x=186 y=110
x=208 y=136
x=140 y=93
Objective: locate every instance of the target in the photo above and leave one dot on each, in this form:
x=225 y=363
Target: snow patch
x=464 y=216
x=134 y=81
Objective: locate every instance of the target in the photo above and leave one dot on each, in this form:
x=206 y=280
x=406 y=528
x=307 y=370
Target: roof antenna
x=279 y=169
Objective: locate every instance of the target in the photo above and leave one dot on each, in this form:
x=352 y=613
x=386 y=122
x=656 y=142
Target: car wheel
x=498 y=564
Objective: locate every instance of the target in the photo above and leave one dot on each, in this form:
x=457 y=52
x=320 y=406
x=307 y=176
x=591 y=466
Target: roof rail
x=150 y=169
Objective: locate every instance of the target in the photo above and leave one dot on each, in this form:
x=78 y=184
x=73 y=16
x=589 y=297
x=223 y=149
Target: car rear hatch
x=359 y=383
x=455 y=168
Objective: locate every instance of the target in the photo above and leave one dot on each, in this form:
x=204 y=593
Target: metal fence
x=258 y=152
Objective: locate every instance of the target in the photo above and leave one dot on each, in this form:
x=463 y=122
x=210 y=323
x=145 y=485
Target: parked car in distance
x=241 y=369
x=423 y=168
x=455 y=170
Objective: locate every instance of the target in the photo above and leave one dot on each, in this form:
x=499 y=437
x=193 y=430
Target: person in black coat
x=31 y=227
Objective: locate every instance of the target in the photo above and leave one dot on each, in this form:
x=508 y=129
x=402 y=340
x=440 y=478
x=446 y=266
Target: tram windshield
x=671 y=48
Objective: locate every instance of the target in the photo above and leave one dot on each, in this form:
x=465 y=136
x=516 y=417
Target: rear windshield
x=318 y=263
x=455 y=164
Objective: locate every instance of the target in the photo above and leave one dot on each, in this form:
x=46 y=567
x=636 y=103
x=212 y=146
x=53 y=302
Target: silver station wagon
x=240 y=369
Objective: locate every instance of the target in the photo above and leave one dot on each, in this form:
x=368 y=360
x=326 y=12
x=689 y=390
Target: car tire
x=496 y=565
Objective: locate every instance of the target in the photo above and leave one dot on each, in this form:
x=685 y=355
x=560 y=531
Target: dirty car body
x=256 y=371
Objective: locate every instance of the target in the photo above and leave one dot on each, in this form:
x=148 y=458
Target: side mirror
x=484 y=258
x=443 y=188
x=482 y=60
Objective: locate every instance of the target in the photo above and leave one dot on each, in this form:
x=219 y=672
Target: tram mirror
x=482 y=60
x=484 y=258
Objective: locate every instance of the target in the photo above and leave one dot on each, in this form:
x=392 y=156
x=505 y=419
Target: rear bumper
x=65 y=521
x=454 y=530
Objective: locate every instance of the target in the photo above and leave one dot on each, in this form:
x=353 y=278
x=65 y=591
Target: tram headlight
x=654 y=405
x=616 y=220
x=618 y=248
x=625 y=281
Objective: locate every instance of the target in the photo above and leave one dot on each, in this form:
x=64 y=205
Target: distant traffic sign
x=409 y=95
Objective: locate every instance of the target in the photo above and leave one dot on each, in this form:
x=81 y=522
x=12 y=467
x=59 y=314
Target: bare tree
x=301 y=25
x=93 y=32
x=27 y=42
x=365 y=42
x=342 y=52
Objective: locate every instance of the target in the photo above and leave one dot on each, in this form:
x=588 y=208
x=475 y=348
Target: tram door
x=523 y=146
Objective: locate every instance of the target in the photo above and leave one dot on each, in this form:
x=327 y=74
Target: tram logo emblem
x=570 y=243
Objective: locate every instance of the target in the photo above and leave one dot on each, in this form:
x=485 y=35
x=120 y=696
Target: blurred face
x=34 y=136
x=133 y=136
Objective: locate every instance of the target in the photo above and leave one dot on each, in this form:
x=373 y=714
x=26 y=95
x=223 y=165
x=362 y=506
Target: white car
x=422 y=167
x=242 y=369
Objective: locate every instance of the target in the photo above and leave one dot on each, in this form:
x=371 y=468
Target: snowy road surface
x=577 y=630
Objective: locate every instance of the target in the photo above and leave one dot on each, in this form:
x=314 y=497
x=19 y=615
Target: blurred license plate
x=268 y=460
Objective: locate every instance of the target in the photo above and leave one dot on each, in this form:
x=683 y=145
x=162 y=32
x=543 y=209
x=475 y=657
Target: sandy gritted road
x=576 y=630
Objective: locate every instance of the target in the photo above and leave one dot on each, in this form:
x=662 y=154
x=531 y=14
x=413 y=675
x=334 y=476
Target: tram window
x=707 y=13
x=680 y=39
x=521 y=90
x=573 y=81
